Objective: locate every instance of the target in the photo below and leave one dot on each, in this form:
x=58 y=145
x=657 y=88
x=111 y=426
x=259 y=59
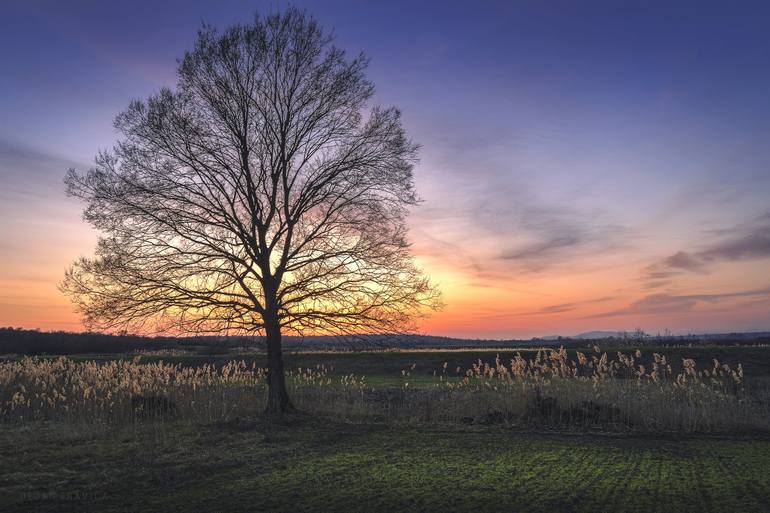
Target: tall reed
x=594 y=391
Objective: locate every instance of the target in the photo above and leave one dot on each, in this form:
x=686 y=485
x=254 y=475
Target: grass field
x=340 y=460
x=302 y=464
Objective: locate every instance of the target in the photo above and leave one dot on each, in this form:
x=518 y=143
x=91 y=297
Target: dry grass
x=594 y=391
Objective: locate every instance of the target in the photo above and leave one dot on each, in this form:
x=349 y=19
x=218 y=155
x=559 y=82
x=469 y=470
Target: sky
x=584 y=165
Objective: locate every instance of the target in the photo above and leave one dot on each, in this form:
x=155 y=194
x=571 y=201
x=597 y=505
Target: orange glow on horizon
x=477 y=304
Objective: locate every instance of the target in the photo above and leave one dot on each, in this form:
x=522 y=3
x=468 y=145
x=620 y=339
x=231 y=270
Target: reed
x=596 y=390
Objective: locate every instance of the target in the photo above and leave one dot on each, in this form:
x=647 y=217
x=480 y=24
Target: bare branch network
x=263 y=189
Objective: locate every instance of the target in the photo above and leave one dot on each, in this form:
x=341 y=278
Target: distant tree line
x=34 y=342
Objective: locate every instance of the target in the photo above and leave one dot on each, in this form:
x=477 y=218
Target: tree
x=263 y=195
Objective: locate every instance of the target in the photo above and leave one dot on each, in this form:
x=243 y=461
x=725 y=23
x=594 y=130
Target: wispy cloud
x=30 y=173
x=655 y=304
x=553 y=309
x=26 y=158
x=746 y=241
x=534 y=234
x=444 y=251
x=754 y=242
x=546 y=248
x=686 y=261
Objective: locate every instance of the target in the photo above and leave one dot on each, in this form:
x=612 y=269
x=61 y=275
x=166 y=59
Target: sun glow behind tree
x=263 y=195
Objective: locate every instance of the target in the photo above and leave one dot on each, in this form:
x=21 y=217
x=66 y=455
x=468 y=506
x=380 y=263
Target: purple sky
x=585 y=165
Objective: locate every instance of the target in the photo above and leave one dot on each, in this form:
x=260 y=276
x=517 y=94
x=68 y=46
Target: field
x=312 y=465
x=458 y=441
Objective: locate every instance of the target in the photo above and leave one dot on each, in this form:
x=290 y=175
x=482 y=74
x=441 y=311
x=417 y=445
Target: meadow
x=311 y=464
x=518 y=429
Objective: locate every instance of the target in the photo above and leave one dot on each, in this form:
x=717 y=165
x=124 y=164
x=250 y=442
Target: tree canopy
x=262 y=185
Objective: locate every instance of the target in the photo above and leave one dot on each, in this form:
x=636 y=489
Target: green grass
x=303 y=464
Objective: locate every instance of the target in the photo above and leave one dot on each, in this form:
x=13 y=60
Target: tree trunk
x=277 y=398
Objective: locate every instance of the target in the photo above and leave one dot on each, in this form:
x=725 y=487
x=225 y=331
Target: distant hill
x=593 y=335
x=588 y=335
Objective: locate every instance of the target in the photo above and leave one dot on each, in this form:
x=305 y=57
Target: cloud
x=498 y=227
x=30 y=174
x=754 y=244
x=742 y=242
x=663 y=303
x=544 y=248
x=535 y=235
x=512 y=208
x=683 y=260
x=20 y=157
x=553 y=309
x=430 y=246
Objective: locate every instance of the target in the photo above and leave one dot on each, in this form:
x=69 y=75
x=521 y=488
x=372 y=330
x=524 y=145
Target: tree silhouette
x=263 y=195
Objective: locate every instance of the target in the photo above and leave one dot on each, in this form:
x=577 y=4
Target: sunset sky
x=584 y=165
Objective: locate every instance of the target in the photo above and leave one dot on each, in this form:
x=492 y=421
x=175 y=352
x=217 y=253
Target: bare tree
x=264 y=195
